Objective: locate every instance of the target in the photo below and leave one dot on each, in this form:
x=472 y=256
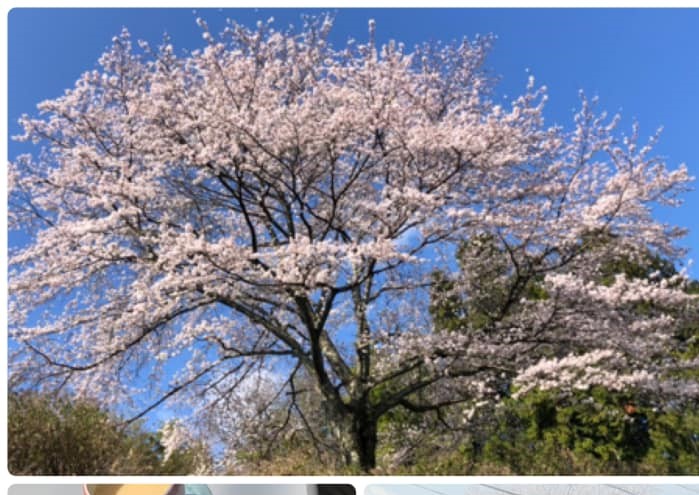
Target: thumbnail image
x=366 y=241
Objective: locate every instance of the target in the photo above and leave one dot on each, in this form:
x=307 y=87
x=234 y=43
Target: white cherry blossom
x=270 y=202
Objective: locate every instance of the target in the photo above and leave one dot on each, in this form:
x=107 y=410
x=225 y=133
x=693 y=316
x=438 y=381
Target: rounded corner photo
x=359 y=242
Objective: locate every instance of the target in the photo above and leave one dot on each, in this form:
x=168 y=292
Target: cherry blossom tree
x=270 y=207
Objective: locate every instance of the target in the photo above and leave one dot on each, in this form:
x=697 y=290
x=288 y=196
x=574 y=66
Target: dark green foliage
x=448 y=312
x=598 y=432
x=495 y=288
x=651 y=264
x=675 y=438
x=541 y=434
x=63 y=437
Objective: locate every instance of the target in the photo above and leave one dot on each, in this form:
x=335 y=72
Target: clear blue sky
x=641 y=61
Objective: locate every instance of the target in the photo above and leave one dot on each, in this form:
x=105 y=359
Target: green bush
x=48 y=436
x=599 y=432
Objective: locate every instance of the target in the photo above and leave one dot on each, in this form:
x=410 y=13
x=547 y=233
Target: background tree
x=591 y=433
x=273 y=203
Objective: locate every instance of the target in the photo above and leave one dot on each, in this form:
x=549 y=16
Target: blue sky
x=639 y=61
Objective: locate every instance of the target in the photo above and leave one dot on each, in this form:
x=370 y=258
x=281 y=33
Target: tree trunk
x=364 y=428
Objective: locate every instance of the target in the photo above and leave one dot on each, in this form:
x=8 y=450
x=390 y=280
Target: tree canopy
x=271 y=210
